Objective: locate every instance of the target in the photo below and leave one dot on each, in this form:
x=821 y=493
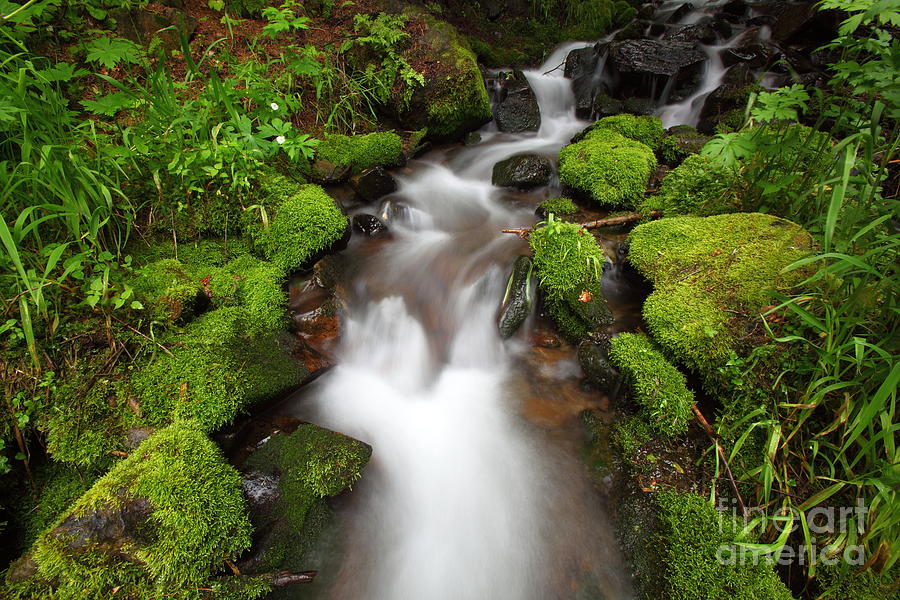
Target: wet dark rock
x=789 y=60
x=119 y=529
x=724 y=100
x=517 y=109
x=369 y=225
x=722 y=27
x=142 y=26
x=372 y=184
x=260 y=490
x=606 y=106
x=680 y=12
x=734 y=9
x=632 y=31
x=691 y=34
x=582 y=62
x=655 y=30
x=516 y=305
x=324 y=171
x=492 y=9
x=472 y=138
x=593 y=356
x=391 y=210
x=646 y=11
x=761 y=21
x=642 y=65
x=755 y=56
x=522 y=171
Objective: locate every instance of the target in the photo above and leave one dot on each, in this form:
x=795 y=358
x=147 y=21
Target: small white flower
x=274 y=106
x=280 y=139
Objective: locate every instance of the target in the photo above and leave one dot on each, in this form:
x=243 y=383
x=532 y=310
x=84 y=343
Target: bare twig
x=524 y=232
x=143 y=335
x=715 y=439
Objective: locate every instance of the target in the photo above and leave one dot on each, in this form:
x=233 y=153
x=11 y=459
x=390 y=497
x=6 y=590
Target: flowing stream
x=464 y=497
x=469 y=495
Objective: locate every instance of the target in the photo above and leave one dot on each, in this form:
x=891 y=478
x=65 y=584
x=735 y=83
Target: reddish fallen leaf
x=585 y=296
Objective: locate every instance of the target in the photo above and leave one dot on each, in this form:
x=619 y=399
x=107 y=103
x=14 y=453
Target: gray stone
x=517 y=109
x=517 y=302
x=522 y=171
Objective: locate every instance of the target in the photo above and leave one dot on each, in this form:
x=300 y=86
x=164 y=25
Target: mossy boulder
x=569 y=263
x=161 y=523
x=557 y=206
x=287 y=480
x=711 y=276
x=218 y=367
x=299 y=222
x=608 y=166
x=454 y=99
x=645 y=129
x=361 y=152
x=167 y=290
x=676 y=543
x=658 y=386
x=698 y=186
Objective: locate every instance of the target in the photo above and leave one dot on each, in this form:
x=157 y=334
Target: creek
x=475 y=489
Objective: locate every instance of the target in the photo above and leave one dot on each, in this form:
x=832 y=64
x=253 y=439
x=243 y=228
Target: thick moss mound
x=159 y=524
x=309 y=464
x=682 y=554
x=569 y=263
x=698 y=186
x=218 y=368
x=453 y=100
x=645 y=129
x=658 y=386
x=558 y=206
x=711 y=275
x=610 y=167
x=300 y=221
x=361 y=152
x=680 y=142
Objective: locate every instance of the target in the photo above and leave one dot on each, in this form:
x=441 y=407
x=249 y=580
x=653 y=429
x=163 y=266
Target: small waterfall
x=464 y=499
x=687 y=112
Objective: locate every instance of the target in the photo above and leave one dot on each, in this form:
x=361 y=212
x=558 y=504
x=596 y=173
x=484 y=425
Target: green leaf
x=109 y=51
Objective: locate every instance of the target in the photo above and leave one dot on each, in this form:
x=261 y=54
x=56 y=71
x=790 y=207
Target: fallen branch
x=524 y=232
x=286 y=578
x=715 y=440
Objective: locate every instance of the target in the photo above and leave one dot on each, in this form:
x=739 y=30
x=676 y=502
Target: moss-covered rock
x=569 y=263
x=659 y=387
x=711 y=275
x=698 y=186
x=645 y=129
x=300 y=221
x=219 y=367
x=305 y=467
x=454 y=99
x=611 y=168
x=167 y=290
x=677 y=548
x=160 y=523
x=361 y=152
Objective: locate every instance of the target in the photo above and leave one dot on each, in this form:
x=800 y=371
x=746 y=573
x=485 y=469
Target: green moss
x=711 y=275
x=88 y=417
x=680 y=142
x=217 y=369
x=610 y=167
x=842 y=581
x=690 y=535
x=558 y=206
x=699 y=186
x=246 y=8
x=569 y=263
x=647 y=130
x=306 y=221
x=591 y=19
x=197 y=520
x=166 y=290
x=311 y=463
x=58 y=486
x=658 y=386
x=362 y=152
x=630 y=434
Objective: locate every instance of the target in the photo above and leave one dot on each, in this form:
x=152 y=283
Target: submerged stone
x=372 y=184
x=369 y=225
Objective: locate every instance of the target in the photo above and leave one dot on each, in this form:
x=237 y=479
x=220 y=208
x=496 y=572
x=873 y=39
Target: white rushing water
x=463 y=498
